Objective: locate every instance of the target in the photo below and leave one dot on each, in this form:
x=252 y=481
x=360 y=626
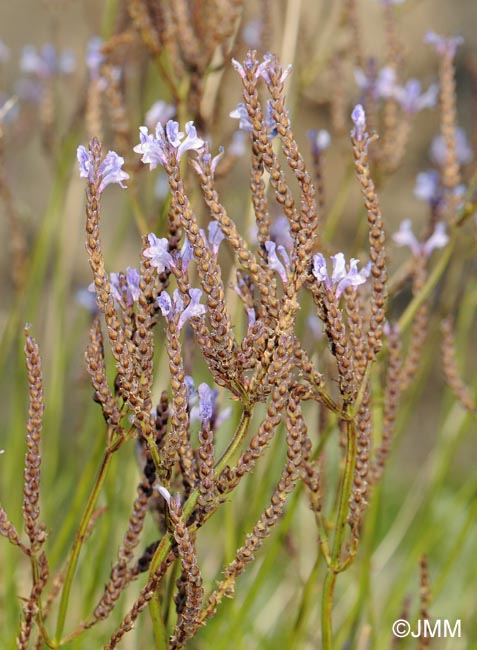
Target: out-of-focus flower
x=463 y=149
x=405 y=237
x=109 y=170
x=46 y=63
x=380 y=86
x=319 y=140
x=86 y=297
x=237 y=147
x=251 y=32
x=428 y=186
x=341 y=277
x=280 y=232
x=156 y=149
x=207 y=399
x=443 y=44
x=94 y=56
x=412 y=100
x=161 y=112
x=158 y=253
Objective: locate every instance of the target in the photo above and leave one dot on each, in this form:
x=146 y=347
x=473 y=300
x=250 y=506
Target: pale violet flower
x=380 y=85
x=281 y=267
x=262 y=70
x=126 y=287
x=359 y=119
x=207 y=402
x=158 y=253
x=405 y=237
x=161 y=112
x=412 y=100
x=170 y=308
x=46 y=62
x=341 y=277
x=109 y=171
x=463 y=149
x=216 y=236
x=319 y=140
x=157 y=149
x=238 y=145
x=428 y=186
x=245 y=123
x=252 y=32
x=444 y=44
x=94 y=56
x=280 y=232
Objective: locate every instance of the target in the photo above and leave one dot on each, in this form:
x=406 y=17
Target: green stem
x=408 y=316
x=78 y=543
x=341 y=519
x=158 y=625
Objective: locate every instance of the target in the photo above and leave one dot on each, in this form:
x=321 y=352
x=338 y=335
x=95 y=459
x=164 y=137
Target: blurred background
x=42 y=183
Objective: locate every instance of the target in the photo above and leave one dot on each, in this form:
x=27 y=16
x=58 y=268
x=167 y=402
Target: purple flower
x=359 y=119
x=380 y=85
x=405 y=237
x=319 y=140
x=280 y=232
x=159 y=112
x=193 y=309
x=186 y=254
x=412 y=100
x=126 y=287
x=282 y=268
x=216 y=236
x=46 y=63
x=237 y=146
x=463 y=149
x=341 y=278
x=132 y=278
x=158 y=253
x=94 y=56
x=428 y=186
x=165 y=305
x=263 y=69
x=157 y=150
x=172 y=307
x=445 y=45
x=207 y=402
x=109 y=171
x=245 y=123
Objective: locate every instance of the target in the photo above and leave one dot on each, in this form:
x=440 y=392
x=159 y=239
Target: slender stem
x=407 y=317
x=341 y=519
x=166 y=542
x=158 y=624
x=78 y=543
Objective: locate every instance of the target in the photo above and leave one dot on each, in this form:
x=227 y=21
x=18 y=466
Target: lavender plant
x=251 y=382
